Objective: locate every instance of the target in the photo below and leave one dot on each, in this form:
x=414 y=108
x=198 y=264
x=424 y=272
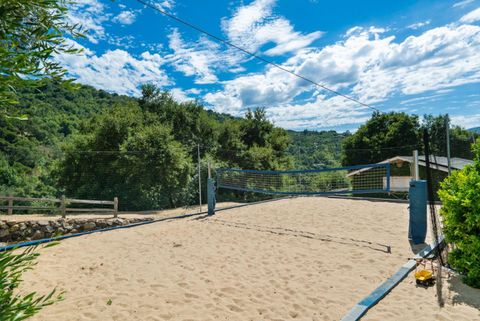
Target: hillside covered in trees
x=88 y=143
x=91 y=144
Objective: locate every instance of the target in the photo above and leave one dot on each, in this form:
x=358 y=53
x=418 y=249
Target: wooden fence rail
x=63 y=205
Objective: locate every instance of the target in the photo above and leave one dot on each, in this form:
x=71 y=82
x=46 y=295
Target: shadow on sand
x=462 y=293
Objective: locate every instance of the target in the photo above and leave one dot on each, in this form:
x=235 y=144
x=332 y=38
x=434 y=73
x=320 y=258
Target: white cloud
x=181 y=95
x=365 y=65
x=469 y=121
x=417 y=25
x=472 y=16
x=90 y=14
x=115 y=70
x=251 y=27
x=125 y=17
x=254 y=25
x=462 y=4
x=165 y=4
x=197 y=60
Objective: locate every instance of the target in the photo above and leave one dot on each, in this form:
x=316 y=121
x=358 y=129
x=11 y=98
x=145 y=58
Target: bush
x=461 y=213
x=13 y=305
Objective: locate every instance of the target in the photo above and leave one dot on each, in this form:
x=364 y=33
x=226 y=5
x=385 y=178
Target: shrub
x=13 y=305
x=459 y=194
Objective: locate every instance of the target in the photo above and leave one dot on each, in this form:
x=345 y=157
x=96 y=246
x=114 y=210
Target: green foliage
x=144 y=152
x=31 y=31
x=27 y=148
x=460 y=138
x=386 y=135
x=313 y=149
x=461 y=214
x=383 y=136
x=13 y=305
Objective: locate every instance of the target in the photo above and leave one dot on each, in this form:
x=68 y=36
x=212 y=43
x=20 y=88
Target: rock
x=117 y=221
x=38 y=235
x=73 y=231
x=43 y=223
x=3 y=225
x=22 y=226
x=49 y=229
x=14 y=228
x=4 y=232
x=87 y=226
x=55 y=224
x=26 y=232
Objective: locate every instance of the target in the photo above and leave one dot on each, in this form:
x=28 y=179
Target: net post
x=115 y=206
x=416 y=172
x=210 y=192
x=63 y=209
x=10 y=204
x=389 y=173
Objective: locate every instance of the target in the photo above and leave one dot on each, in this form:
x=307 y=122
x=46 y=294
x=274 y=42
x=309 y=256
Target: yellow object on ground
x=423 y=275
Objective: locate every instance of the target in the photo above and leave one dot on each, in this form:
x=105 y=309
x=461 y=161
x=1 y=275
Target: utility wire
x=268 y=62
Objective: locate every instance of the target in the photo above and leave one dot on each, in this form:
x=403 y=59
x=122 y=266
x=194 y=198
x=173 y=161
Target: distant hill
x=316 y=149
x=475 y=130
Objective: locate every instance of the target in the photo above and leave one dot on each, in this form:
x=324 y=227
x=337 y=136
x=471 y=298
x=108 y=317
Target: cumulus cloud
x=472 y=16
x=165 y=4
x=366 y=65
x=90 y=14
x=469 y=121
x=125 y=17
x=251 y=27
x=199 y=59
x=254 y=25
x=115 y=70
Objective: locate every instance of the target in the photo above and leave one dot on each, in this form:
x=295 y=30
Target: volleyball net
x=361 y=179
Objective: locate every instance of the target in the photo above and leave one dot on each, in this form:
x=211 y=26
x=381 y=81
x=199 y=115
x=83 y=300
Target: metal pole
x=416 y=173
x=199 y=179
x=447 y=129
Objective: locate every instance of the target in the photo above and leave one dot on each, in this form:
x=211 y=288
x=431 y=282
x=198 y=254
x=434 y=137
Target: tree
x=460 y=138
x=383 y=136
x=31 y=31
x=161 y=171
x=461 y=218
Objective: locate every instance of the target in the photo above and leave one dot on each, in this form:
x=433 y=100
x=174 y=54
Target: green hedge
x=460 y=196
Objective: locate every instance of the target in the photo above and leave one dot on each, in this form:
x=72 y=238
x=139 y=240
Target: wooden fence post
x=115 y=206
x=10 y=204
x=63 y=208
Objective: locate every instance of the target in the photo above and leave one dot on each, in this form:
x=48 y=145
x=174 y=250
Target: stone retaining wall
x=12 y=231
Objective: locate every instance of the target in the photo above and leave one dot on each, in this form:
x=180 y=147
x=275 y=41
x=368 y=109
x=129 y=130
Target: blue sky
x=413 y=56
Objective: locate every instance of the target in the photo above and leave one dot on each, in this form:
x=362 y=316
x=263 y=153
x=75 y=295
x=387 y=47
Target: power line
x=268 y=62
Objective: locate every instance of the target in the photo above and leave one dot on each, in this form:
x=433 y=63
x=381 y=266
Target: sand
x=305 y=259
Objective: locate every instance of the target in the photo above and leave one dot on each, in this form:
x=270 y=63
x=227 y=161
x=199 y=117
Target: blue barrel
x=417 y=228
x=211 y=196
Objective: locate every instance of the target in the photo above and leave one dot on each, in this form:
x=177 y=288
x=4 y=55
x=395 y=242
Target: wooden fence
x=64 y=202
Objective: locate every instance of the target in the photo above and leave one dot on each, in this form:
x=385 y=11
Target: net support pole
x=416 y=171
x=199 y=180
x=447 y=132
x=211 y=192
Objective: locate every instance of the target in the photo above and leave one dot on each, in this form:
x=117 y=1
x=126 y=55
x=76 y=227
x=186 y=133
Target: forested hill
x=316 y=149
x=93 y=144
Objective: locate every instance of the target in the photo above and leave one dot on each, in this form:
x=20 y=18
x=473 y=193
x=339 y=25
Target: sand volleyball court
x=306 y=258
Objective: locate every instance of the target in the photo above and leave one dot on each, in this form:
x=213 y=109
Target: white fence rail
x=62 y=208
